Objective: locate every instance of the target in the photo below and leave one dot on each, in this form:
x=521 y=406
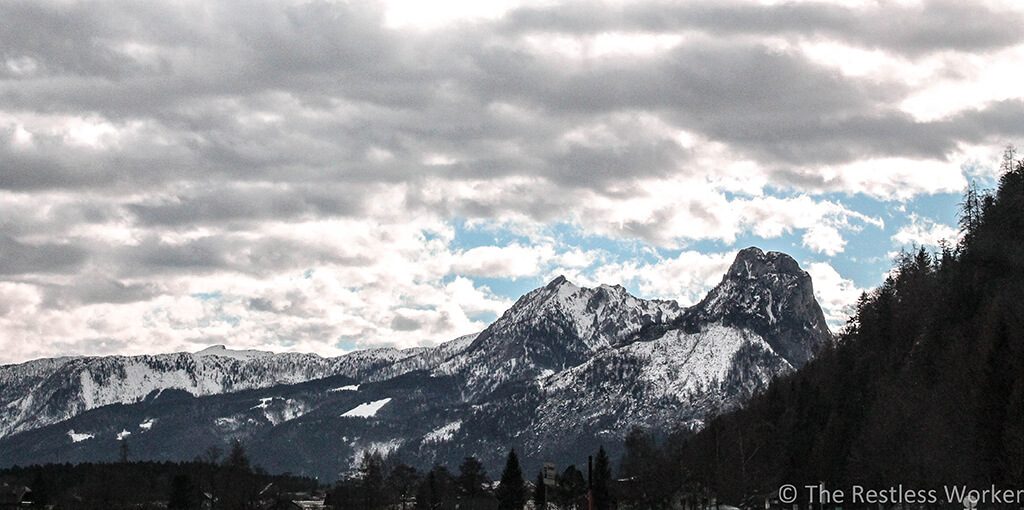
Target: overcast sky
x=324 y=176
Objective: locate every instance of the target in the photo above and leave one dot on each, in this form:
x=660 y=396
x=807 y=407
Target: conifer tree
x=472 y=477
x=237 y=458
x=511 y=491
x=600 y=484
x=540 y=493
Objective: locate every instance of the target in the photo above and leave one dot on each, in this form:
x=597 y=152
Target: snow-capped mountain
x=565 y=368
x=551 y=329
x=45 y=391
x=769 y=294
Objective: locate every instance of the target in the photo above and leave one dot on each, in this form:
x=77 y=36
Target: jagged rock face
x=553 y=328
x=769 y=294
x=564 y=369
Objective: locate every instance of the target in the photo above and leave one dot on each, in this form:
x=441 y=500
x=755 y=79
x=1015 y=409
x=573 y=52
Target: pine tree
x=540 y=493
x=371 y=480
x=571 y=487
x=600 y=485
x=1009 y=159
x=426 y=494
x=472 y=477
x=511 y=491
x=237 y=458
x=437 y=490
x=123 y=451
x=402 y=482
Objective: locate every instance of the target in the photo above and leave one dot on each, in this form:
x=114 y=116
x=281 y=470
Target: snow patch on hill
x=367 y=410
x=77 y=437
x=384 y=448
x=443 y=433
x=224 y=352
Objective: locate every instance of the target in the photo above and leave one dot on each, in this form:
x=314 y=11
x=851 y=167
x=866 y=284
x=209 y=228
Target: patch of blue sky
x=233 y=320
x=208 y=296
x=484 y=317
x=939 y=207
x=469 y=235
x=347 y=342
x=510 y=288
x=865 y=258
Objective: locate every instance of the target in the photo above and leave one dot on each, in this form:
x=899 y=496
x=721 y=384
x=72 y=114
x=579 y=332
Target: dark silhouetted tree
x=371 y=481
x=402 y=483
x=570 y=488
x=437 y=491
x=540 y=493
x=601 y=484
x=511 y=490
x=472 y=477
x=123 y=451
x=237 y=458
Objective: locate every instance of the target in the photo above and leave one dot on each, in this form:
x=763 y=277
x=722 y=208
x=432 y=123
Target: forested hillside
x=924 y=387
x=225 y=482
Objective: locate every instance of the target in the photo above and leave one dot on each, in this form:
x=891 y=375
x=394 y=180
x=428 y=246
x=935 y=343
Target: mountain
x=923 y=388
x=551 y=329
x=564 y=369
x=46 y=391
x=769 y=294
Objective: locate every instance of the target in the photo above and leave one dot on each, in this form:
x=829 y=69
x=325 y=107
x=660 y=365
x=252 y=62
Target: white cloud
x=836 y=295
x=925 y=232
x=824 y=239
x=894 y=178
x=510 y=261
x=685 y=278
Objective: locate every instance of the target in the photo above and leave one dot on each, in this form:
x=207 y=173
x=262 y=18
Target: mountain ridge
x=563 y=368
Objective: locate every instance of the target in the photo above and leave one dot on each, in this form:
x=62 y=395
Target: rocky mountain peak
x=752 y=263
x=557 y=326
x=770 y=294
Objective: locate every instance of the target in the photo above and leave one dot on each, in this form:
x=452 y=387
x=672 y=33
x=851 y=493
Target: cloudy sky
x=324 y=176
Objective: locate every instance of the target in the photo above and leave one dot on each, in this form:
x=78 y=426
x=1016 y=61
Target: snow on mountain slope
x=42 y=392
x=224 y=352
x=767 y=293
x=676 y=365
x=553 y=328
x=424 y=358
x=366 y=409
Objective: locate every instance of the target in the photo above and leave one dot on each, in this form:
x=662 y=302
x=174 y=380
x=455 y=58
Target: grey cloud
x=27 y=32
x=225 y=252
x=263 y=111
x=51 y=163
x=261 y=305
x=936 y=25
x=402 y=323
x=22 y=258
x=297 y=305
x=366 y=88
x=217 y=204
x=94 y=289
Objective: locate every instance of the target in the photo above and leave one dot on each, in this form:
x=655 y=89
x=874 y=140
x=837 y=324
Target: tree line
x=214 y=481
x=377 y=485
